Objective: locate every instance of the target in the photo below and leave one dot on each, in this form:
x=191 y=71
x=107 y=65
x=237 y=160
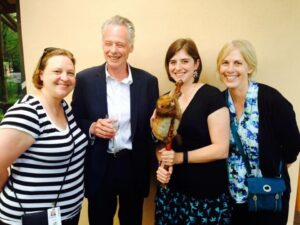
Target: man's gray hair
x=122 y=21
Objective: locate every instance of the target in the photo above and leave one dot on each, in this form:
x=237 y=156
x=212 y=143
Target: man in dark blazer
x=117 y=163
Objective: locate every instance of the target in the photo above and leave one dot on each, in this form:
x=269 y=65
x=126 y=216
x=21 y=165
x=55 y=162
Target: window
x=11 y=77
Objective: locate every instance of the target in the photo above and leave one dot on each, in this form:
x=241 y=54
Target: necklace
x=187 y=96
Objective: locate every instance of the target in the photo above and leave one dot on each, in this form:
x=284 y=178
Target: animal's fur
x=167 y=107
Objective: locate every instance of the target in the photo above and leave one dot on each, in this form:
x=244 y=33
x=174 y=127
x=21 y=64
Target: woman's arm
x=12 y=144
x=219 y=130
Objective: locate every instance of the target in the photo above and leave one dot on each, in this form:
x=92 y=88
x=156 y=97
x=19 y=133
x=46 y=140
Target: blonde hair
x=247 y=51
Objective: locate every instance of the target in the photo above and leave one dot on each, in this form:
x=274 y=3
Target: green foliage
x=11 y=60
x=1 y=114
x=13 y=89
x=11 y=46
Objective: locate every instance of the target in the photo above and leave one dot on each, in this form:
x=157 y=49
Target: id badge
x=54 y=217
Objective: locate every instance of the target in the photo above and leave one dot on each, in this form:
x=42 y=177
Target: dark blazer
x=89 y=103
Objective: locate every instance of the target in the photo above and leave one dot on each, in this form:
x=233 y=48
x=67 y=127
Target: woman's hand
x=163 y=175
x=170 y=157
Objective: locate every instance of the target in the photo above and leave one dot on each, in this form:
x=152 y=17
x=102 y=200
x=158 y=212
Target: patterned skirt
x=174 y=208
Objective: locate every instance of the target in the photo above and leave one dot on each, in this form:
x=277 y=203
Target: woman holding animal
x=195 y=168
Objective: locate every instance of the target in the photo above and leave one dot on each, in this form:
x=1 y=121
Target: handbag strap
x=67 y=170
x=239 y=144
x=237 y=139
x=65 y=173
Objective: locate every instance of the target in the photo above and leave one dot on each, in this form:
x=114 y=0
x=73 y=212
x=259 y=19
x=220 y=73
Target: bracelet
x=185 y=157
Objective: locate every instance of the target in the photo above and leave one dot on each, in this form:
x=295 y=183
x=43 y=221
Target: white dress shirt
x=118 y=104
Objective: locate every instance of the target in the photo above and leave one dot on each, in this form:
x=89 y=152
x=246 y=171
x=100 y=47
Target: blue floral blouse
x=247 y=128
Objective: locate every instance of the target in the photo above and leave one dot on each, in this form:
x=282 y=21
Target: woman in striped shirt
x=43 y=146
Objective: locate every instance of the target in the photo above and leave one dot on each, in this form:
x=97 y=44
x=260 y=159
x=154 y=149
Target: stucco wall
x=271 y=25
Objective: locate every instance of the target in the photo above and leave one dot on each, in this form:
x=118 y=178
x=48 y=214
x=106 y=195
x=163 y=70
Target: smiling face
x=116 y=46
x=58 y=77
x=234 y=71
x=182 y=67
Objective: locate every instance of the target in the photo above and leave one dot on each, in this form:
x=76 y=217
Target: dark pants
x=119 y=185
x=241 y=215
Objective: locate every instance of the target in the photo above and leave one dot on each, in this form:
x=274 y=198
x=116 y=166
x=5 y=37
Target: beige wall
x=271 y=25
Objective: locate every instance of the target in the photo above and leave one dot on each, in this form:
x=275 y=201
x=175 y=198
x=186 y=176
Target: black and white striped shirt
x=38 y=173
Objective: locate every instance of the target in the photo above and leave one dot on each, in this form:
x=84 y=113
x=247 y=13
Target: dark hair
x=42 y=63
x=191 y=49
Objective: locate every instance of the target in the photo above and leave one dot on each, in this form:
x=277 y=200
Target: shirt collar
x=126 y=80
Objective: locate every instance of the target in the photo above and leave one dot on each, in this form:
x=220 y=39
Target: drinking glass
x=115 y=125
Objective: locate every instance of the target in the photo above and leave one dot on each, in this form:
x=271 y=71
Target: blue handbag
x=264 y=193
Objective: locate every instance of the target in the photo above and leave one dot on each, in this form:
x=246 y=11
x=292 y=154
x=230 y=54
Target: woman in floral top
x=267 y=127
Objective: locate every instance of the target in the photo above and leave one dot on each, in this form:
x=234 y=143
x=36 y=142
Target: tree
x=11 y=46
